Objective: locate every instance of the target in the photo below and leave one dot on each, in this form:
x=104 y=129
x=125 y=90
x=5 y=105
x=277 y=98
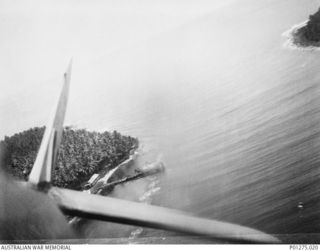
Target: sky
x=39 y=37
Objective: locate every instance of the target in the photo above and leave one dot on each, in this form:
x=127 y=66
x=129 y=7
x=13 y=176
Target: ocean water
x=231 y=111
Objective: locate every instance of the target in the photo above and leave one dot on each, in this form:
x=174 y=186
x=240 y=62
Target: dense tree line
x=81 y=154
x=312 y=29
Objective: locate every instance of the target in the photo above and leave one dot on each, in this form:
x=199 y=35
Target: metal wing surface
x=121 y=211
x=127 y=212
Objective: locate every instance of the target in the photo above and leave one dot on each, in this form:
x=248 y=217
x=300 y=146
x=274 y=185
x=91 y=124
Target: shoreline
x=295 y=39
x=81 y=154
x=102 y=180
x=122 y=173
x=105 y=175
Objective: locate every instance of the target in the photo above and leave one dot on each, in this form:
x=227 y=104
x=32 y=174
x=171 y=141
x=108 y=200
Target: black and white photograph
x=159 y=122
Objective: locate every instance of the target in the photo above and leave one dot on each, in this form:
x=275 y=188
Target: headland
x=306 y=35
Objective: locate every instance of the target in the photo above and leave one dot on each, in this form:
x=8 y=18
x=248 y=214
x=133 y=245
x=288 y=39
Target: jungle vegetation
x=81 y=154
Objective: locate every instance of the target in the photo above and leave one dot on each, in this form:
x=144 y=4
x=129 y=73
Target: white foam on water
x=135 y=233
x=87 y=191
x=289 y=32
x=152 y=188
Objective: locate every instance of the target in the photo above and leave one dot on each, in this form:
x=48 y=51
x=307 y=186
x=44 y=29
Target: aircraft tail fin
x=120 y=211
x=48 y=152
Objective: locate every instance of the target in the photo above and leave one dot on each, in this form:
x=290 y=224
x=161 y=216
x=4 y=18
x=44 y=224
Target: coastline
x=107 y=174
x=102 y=180
x=81 y=154
x=295 y=39
x=125 y=172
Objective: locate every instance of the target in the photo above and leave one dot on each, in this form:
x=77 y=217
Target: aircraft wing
x=133 y=213
x=121 y=211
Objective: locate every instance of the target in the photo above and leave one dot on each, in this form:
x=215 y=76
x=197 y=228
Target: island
x=305 y=35
x=82 y=153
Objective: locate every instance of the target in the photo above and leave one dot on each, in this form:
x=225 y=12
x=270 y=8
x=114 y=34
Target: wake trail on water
x=153 y=187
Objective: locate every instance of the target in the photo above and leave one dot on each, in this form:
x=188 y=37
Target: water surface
x=232 y=113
